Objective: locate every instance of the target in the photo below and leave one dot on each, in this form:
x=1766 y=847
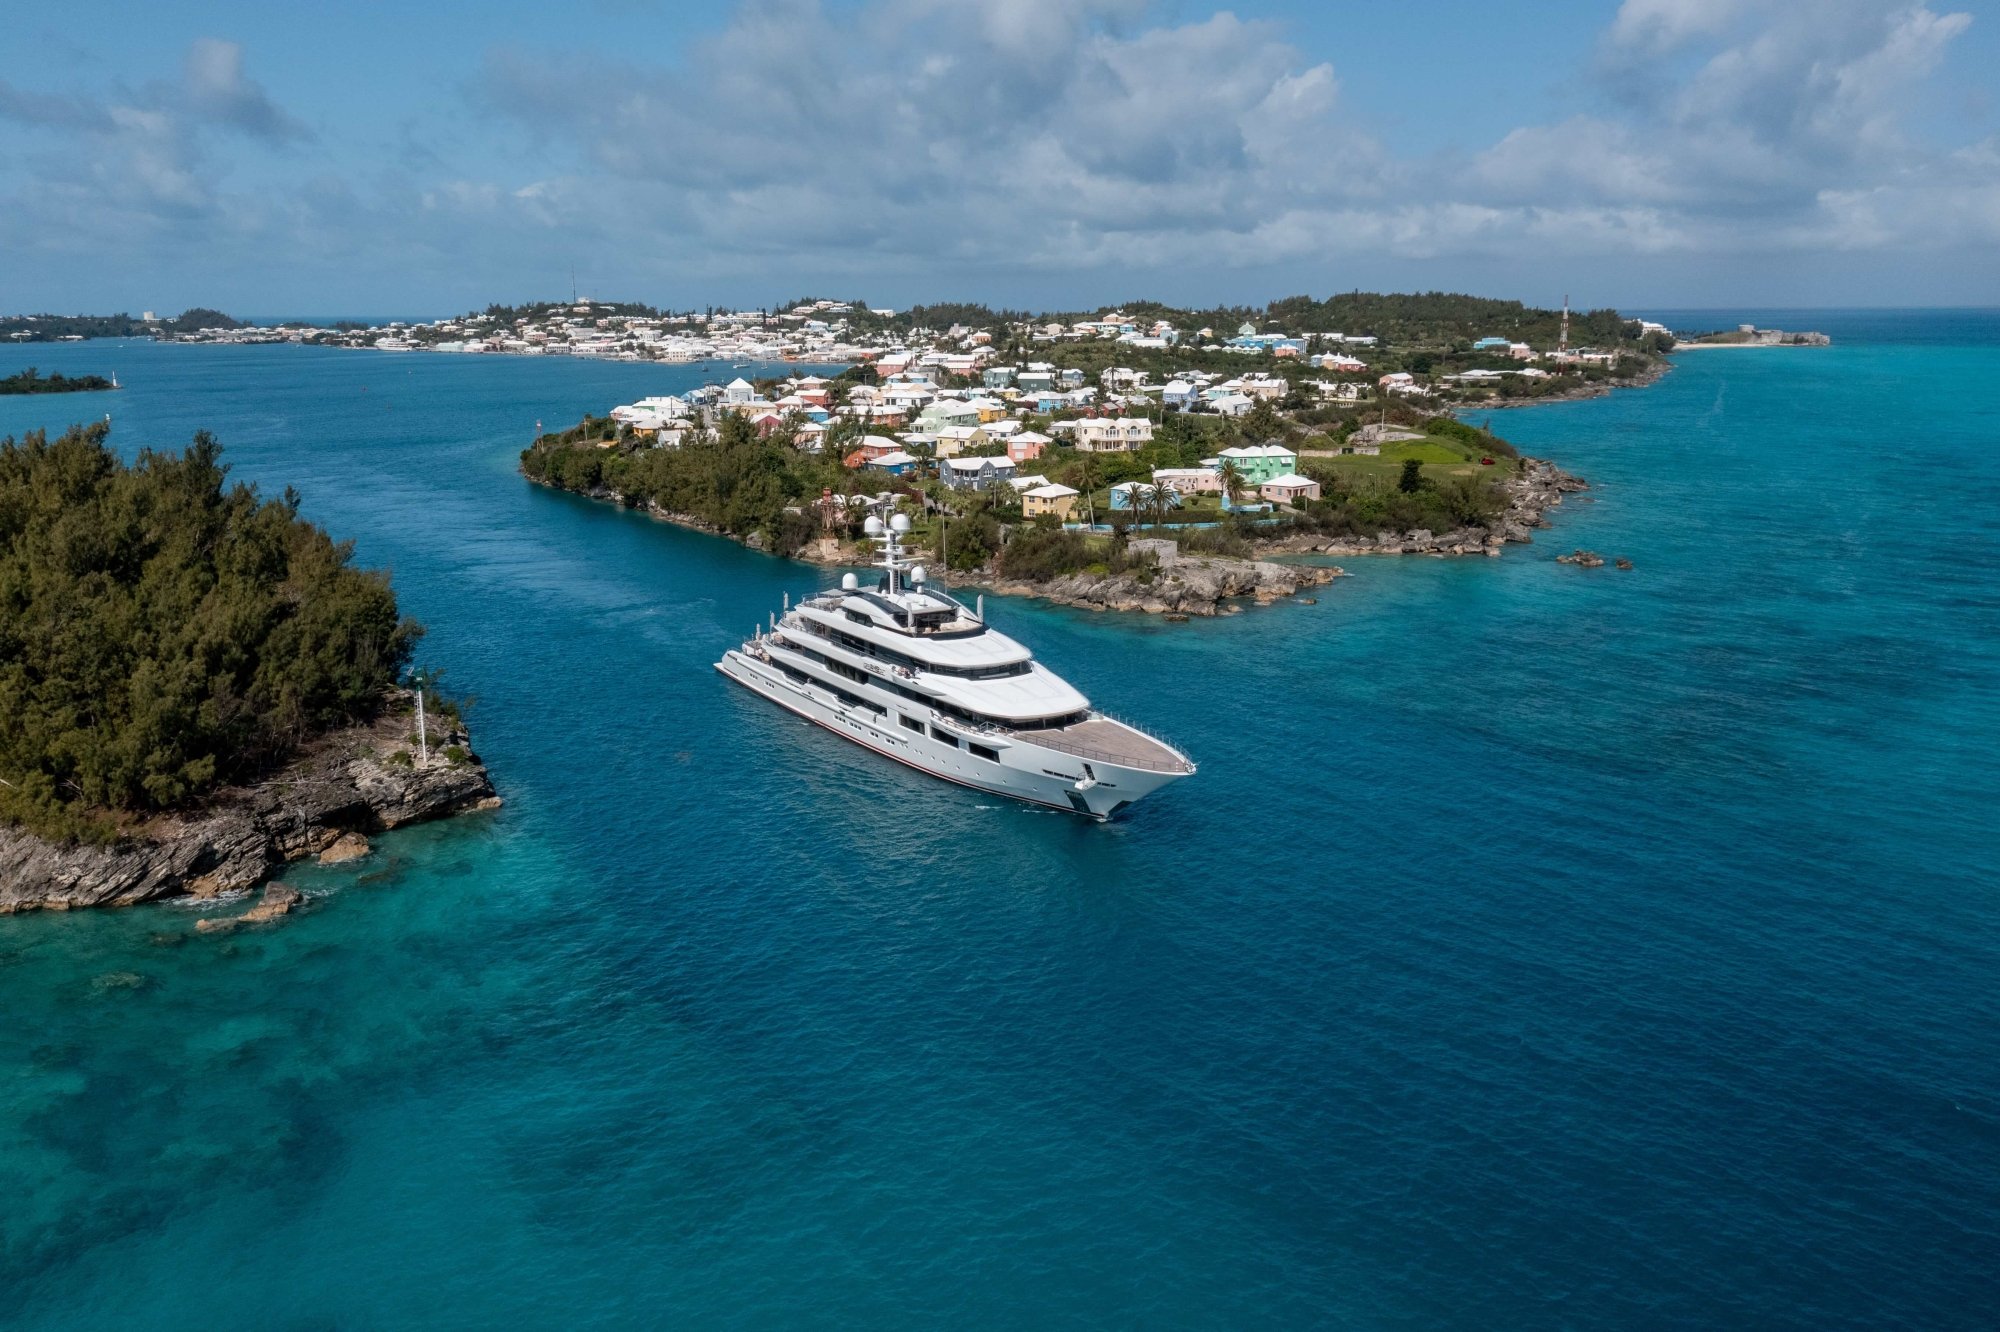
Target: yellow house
x=953 y=440
x=1055 y=499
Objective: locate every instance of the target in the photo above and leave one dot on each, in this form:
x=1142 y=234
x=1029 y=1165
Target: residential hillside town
x=1349 y=348
x=1340 y=418
x=1115 y=413
x=1017 y=405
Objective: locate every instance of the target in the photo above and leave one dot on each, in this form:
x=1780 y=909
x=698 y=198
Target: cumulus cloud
x=1015 y=135
x=1778 y=120
x=842 y=144
x=1061 y=135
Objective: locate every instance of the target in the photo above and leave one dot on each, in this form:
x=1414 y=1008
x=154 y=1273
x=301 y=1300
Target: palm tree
x=1233 y=483
x=1086 y=477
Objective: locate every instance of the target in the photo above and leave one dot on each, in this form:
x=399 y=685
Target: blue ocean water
x=1537 y=947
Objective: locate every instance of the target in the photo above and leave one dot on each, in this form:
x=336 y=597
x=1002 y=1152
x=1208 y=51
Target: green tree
x=162 y=632
x=1412 y=479
x=1234 y=484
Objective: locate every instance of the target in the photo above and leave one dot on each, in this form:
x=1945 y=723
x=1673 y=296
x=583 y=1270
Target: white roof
x=877 y=441
x=1291 y=479
x=974 y=464
x=1052 y=492
x=1028 y=482
x=896 y=459
x=1260 y=451
x=1032 y=437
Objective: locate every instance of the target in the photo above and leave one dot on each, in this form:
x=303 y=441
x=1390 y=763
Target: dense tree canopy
x=32 y=380
x=50 y=327
x=162 y=633
x=729 y=479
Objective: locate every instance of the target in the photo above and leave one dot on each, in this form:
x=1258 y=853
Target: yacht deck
x=1111 y=742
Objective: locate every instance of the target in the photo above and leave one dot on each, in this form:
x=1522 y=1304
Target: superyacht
x=908 y=671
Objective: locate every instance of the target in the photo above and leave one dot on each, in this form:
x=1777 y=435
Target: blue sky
x=367 y=158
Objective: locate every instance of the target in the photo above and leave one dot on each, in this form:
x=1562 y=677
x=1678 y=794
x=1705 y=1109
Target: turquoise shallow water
x=1537 y=947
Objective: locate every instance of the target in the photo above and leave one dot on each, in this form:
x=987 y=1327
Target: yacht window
x=939 y=733
x=981 y=751
x=858 y=617
x=912 y=724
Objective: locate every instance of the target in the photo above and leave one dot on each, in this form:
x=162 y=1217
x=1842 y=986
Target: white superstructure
x=913 y=674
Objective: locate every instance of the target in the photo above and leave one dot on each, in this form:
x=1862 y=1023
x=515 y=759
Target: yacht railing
x=1056 y=739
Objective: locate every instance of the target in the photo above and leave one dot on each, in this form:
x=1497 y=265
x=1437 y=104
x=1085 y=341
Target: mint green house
x=1261 y=462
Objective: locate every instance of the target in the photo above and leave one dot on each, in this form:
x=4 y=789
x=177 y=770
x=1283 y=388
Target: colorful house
x=1058 y=500
x=1113 y=434
x=1289 y=489
x=895 y=464
x=1189 y=480
x=975 y=473
x=950 y=411
x=1138 y=494
x=952 y=440
x=1259 y=463
x=1026 y=446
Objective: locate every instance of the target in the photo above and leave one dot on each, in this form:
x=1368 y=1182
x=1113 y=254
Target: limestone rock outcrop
x=363 y=779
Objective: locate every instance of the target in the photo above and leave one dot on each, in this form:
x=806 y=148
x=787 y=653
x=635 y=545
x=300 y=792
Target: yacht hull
x=1021 y=770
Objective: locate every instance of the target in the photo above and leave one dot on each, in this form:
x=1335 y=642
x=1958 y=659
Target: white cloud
x=842 y=146
x=1075 y=134
x=217 y=89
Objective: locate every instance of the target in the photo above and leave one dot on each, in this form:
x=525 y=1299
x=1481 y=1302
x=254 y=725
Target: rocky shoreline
x=1537 y=488
x=1184 y=585
x=349 y=784
x=1205 y=585
x=1652 y=374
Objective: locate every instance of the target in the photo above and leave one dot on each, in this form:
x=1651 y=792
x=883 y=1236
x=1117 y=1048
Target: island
x=32 y=381
x=1749 y=335
x=83 y=327
x=1099 y=463
x=198 y=685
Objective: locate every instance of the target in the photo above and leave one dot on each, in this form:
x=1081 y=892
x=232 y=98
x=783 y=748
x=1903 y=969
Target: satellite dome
x=848 y=583
x=900 y=523
x=917 y=574
x=873 y=527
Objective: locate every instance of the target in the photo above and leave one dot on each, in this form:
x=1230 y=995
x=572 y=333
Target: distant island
x=1443 y=345
x=1749 y=335
x=79 y=328
x=30 y=381
x=198 y=692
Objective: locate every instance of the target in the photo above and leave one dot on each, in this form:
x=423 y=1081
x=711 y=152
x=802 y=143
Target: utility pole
x=420 y=680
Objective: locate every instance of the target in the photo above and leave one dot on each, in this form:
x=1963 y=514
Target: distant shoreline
x=1744 y=346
